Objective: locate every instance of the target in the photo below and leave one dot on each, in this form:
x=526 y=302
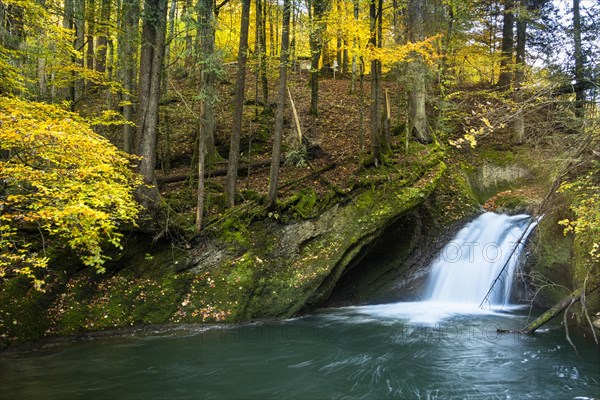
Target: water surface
x=348 y=353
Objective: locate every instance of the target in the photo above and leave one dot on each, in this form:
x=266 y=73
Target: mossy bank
x=264 y=267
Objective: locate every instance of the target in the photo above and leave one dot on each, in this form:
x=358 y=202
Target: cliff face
x=372 y=245
x=266 y=268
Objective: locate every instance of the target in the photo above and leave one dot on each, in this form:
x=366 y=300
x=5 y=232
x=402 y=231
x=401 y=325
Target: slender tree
x=189 y=42
x=281 y=95
x=208 y=64
x=90 y=11
x=68 y=23
x=79 y=23
x=375 y=83
x=506 y=62
x=41 y=67
x=169 y=44
x=129 y=45
x=238 y=106
x=417 y=70
x=519 y=76
x=579 y=59
x=261 y=54
x=104 y=32
x=151 y=63
x=317 y=9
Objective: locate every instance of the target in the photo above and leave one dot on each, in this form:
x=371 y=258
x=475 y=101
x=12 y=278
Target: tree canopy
x=60 y=183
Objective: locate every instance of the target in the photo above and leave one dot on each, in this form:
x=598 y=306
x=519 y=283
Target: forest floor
x=338 y=140
x=334 y=138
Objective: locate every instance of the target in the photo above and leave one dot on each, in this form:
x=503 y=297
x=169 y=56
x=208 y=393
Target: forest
x=189 y=121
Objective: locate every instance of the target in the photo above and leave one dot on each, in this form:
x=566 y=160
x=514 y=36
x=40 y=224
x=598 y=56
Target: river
x=442 y=347
x=347 y=353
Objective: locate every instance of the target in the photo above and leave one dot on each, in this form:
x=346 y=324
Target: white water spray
x=478 y=264
x=484 y=249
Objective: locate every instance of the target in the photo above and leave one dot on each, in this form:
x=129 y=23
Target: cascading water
x=486 y=248
x=475 y=268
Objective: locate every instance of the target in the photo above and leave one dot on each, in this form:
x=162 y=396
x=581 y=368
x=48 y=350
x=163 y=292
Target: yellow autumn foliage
x=62 y=186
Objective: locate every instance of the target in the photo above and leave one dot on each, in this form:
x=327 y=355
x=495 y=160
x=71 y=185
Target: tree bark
x=417 y=92
x=506 y=62
x=240 y=84
x=317 y=29
x=41 y=64
x=79 y=22
x=555 y=310
x=519 y=122
x=103 y=37
x=201 y=172
x=214 y=172
x=129 y=40
x=170 y=38
x=261 y=49
x=579 y=59
x=355 y=47
x=375 y=87
x=209 y=64
x=151 y=63
x=91 y=31
x=279 y=114
x=68 y=23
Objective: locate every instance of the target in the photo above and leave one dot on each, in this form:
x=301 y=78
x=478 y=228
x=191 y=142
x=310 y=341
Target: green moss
x=497 y=157
x=552 y=269
x=259 y=277
x=22 y=316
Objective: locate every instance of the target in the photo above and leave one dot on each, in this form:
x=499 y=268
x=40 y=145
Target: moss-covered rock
x=286 y=269
x=258 y=267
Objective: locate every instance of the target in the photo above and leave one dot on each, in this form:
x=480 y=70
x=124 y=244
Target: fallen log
x=242 y=169
x=566 y=302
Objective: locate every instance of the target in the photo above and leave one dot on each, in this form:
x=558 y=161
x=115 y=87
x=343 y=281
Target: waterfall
x=482 y=255
x=469 y=264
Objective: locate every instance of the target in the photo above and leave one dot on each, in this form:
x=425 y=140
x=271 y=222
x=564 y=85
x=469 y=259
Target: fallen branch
x=539 y=211
x=296 y=119
x=309 y=176
x=212 y=173
x=565 y=303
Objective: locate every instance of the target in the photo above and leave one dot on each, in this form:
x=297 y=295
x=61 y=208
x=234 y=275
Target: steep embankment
x=262 y=268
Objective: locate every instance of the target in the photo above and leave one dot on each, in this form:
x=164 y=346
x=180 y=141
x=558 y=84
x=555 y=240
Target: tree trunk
x=209 y=63
x=261 y=50
x=170 y=38
x=189 y=47
x=506 y=62
x=91 y=31
x=79 y=11
x=579 y=59
x=103 y=37
x=240 y=84
x=271 y=29
x=339 y=49
x=417 y=92
x=355 y=47
x=68 y=23
x=293 y=44
x=279 y=115
x=151 y=63
x=41 y=64
x=317 y=29
x=129 y=40
x=519 y=122
x=201 y=171
x=555 y=310
x=15 y=28
x=375 y=88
